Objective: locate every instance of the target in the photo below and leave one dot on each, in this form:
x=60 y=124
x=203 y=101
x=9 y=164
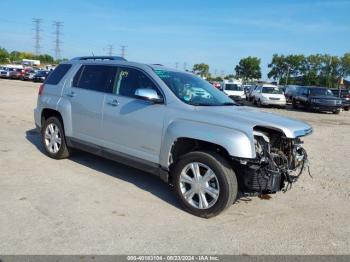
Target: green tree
x=286 y=68
x=278 y=67
x=345 y=65
x=311 y=70
x=4 y=55
x=248 y=68
x=201 y=69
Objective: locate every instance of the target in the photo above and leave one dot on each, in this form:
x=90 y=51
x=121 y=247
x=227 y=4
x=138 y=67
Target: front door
x=130 y=125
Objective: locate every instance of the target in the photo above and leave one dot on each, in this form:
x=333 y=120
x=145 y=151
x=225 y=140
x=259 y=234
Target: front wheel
x=205 y=183
x=336 y=111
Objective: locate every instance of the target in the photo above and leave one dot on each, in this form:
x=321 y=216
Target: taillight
x=41 y=89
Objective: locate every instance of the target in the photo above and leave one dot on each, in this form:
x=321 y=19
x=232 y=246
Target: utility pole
x=110 y=50
x=37 y=22
x=123 y=50
x=176 y=65
x=185 y=66
x=57 y=33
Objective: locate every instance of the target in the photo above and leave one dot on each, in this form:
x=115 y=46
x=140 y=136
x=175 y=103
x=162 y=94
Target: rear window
x=96 y=77
x=233 y=87
x=55 y=77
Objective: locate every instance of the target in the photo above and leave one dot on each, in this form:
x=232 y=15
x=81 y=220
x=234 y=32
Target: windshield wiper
x=229 y=104
x=200 y=104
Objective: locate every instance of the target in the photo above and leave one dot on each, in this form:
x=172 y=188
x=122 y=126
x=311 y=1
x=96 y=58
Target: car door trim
x=132 y=161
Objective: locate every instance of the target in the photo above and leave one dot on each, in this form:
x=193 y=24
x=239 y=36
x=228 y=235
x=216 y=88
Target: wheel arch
x=180 y=136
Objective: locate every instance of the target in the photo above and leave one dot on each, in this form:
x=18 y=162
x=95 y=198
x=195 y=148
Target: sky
x=218 y=33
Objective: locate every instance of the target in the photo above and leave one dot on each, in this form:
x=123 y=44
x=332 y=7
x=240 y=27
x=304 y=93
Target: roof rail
x=118 y=58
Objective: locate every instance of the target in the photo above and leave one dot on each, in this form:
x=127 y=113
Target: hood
x=234 y=92
x=325 y=97
x=246 y=118
x=280 y=96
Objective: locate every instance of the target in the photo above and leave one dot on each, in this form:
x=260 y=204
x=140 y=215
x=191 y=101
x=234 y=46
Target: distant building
x=30 y=62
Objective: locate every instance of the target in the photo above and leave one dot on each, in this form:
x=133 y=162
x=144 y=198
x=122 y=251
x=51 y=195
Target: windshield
x=233 y=87
x=41 y=73
x=320 y=92
x=272 y=90
x=193 y=90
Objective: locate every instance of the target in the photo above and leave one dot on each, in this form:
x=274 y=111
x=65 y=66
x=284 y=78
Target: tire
x=336 y=112
x=224 y=182
x=258 y=103
x=294 y=104
x=58 y=150
x=346 y=108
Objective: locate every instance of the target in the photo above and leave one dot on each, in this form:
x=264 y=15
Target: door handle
x=113 y=102
x=71 y=94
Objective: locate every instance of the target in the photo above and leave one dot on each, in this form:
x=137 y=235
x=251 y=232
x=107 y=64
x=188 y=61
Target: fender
x=64 y=108
x=237 y=143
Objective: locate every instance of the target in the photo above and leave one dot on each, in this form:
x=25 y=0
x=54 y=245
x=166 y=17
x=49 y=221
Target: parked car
x=40 y=76
x=234 y=91
x=216 y=84
x=290 y=92
x=156 y=119
x=5 y=72
x=344 y=94
x=16 y=73
x=29 y=75
x=248 y=92
x=317 y=98
x=269 y=95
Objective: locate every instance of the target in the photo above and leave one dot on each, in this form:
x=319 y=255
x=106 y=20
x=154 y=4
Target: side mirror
x=149 y=94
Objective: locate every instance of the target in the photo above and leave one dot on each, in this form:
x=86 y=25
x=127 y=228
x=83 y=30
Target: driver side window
x=128 y=80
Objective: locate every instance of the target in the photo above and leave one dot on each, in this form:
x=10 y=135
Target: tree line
x=14 y=56
x=313 y=70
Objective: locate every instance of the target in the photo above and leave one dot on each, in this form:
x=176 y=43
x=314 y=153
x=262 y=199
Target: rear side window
x=96 y=77
x=56 y=75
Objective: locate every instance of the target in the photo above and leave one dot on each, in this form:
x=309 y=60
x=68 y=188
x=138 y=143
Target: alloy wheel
x=199 y=185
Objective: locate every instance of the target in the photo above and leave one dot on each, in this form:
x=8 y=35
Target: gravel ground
x=89 y=205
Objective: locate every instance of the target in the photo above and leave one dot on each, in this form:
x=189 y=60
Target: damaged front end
x=278 y=164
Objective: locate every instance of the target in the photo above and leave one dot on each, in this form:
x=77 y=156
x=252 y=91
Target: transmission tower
x=57 y=32
x=37 y=22
x=123 y=50
x=110 y=50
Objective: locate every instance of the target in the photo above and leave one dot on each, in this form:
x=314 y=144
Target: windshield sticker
x=162 y=73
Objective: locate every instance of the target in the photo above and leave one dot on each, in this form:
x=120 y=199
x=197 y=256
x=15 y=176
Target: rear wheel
x=336 y=111
x=53 y=139
x=294 y=104
x=258 y=103
x=205 y=183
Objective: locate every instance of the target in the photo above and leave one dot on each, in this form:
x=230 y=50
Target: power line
x=37 y=23
x=57 y=32
x=110 y=50
x=123 y=50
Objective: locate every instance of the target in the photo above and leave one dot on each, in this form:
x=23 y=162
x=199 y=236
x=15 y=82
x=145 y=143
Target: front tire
x=205 y=183
x=53 y=139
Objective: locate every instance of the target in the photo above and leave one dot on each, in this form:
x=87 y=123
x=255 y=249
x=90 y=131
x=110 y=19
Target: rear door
x=86 y=94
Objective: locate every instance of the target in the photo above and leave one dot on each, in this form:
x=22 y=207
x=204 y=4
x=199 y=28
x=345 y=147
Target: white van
x=234 y=89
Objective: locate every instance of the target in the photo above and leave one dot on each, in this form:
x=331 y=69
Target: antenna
x=57 y=32
x=37 y=22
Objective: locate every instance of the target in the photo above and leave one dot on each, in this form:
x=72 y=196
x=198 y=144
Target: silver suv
x=172 y=124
